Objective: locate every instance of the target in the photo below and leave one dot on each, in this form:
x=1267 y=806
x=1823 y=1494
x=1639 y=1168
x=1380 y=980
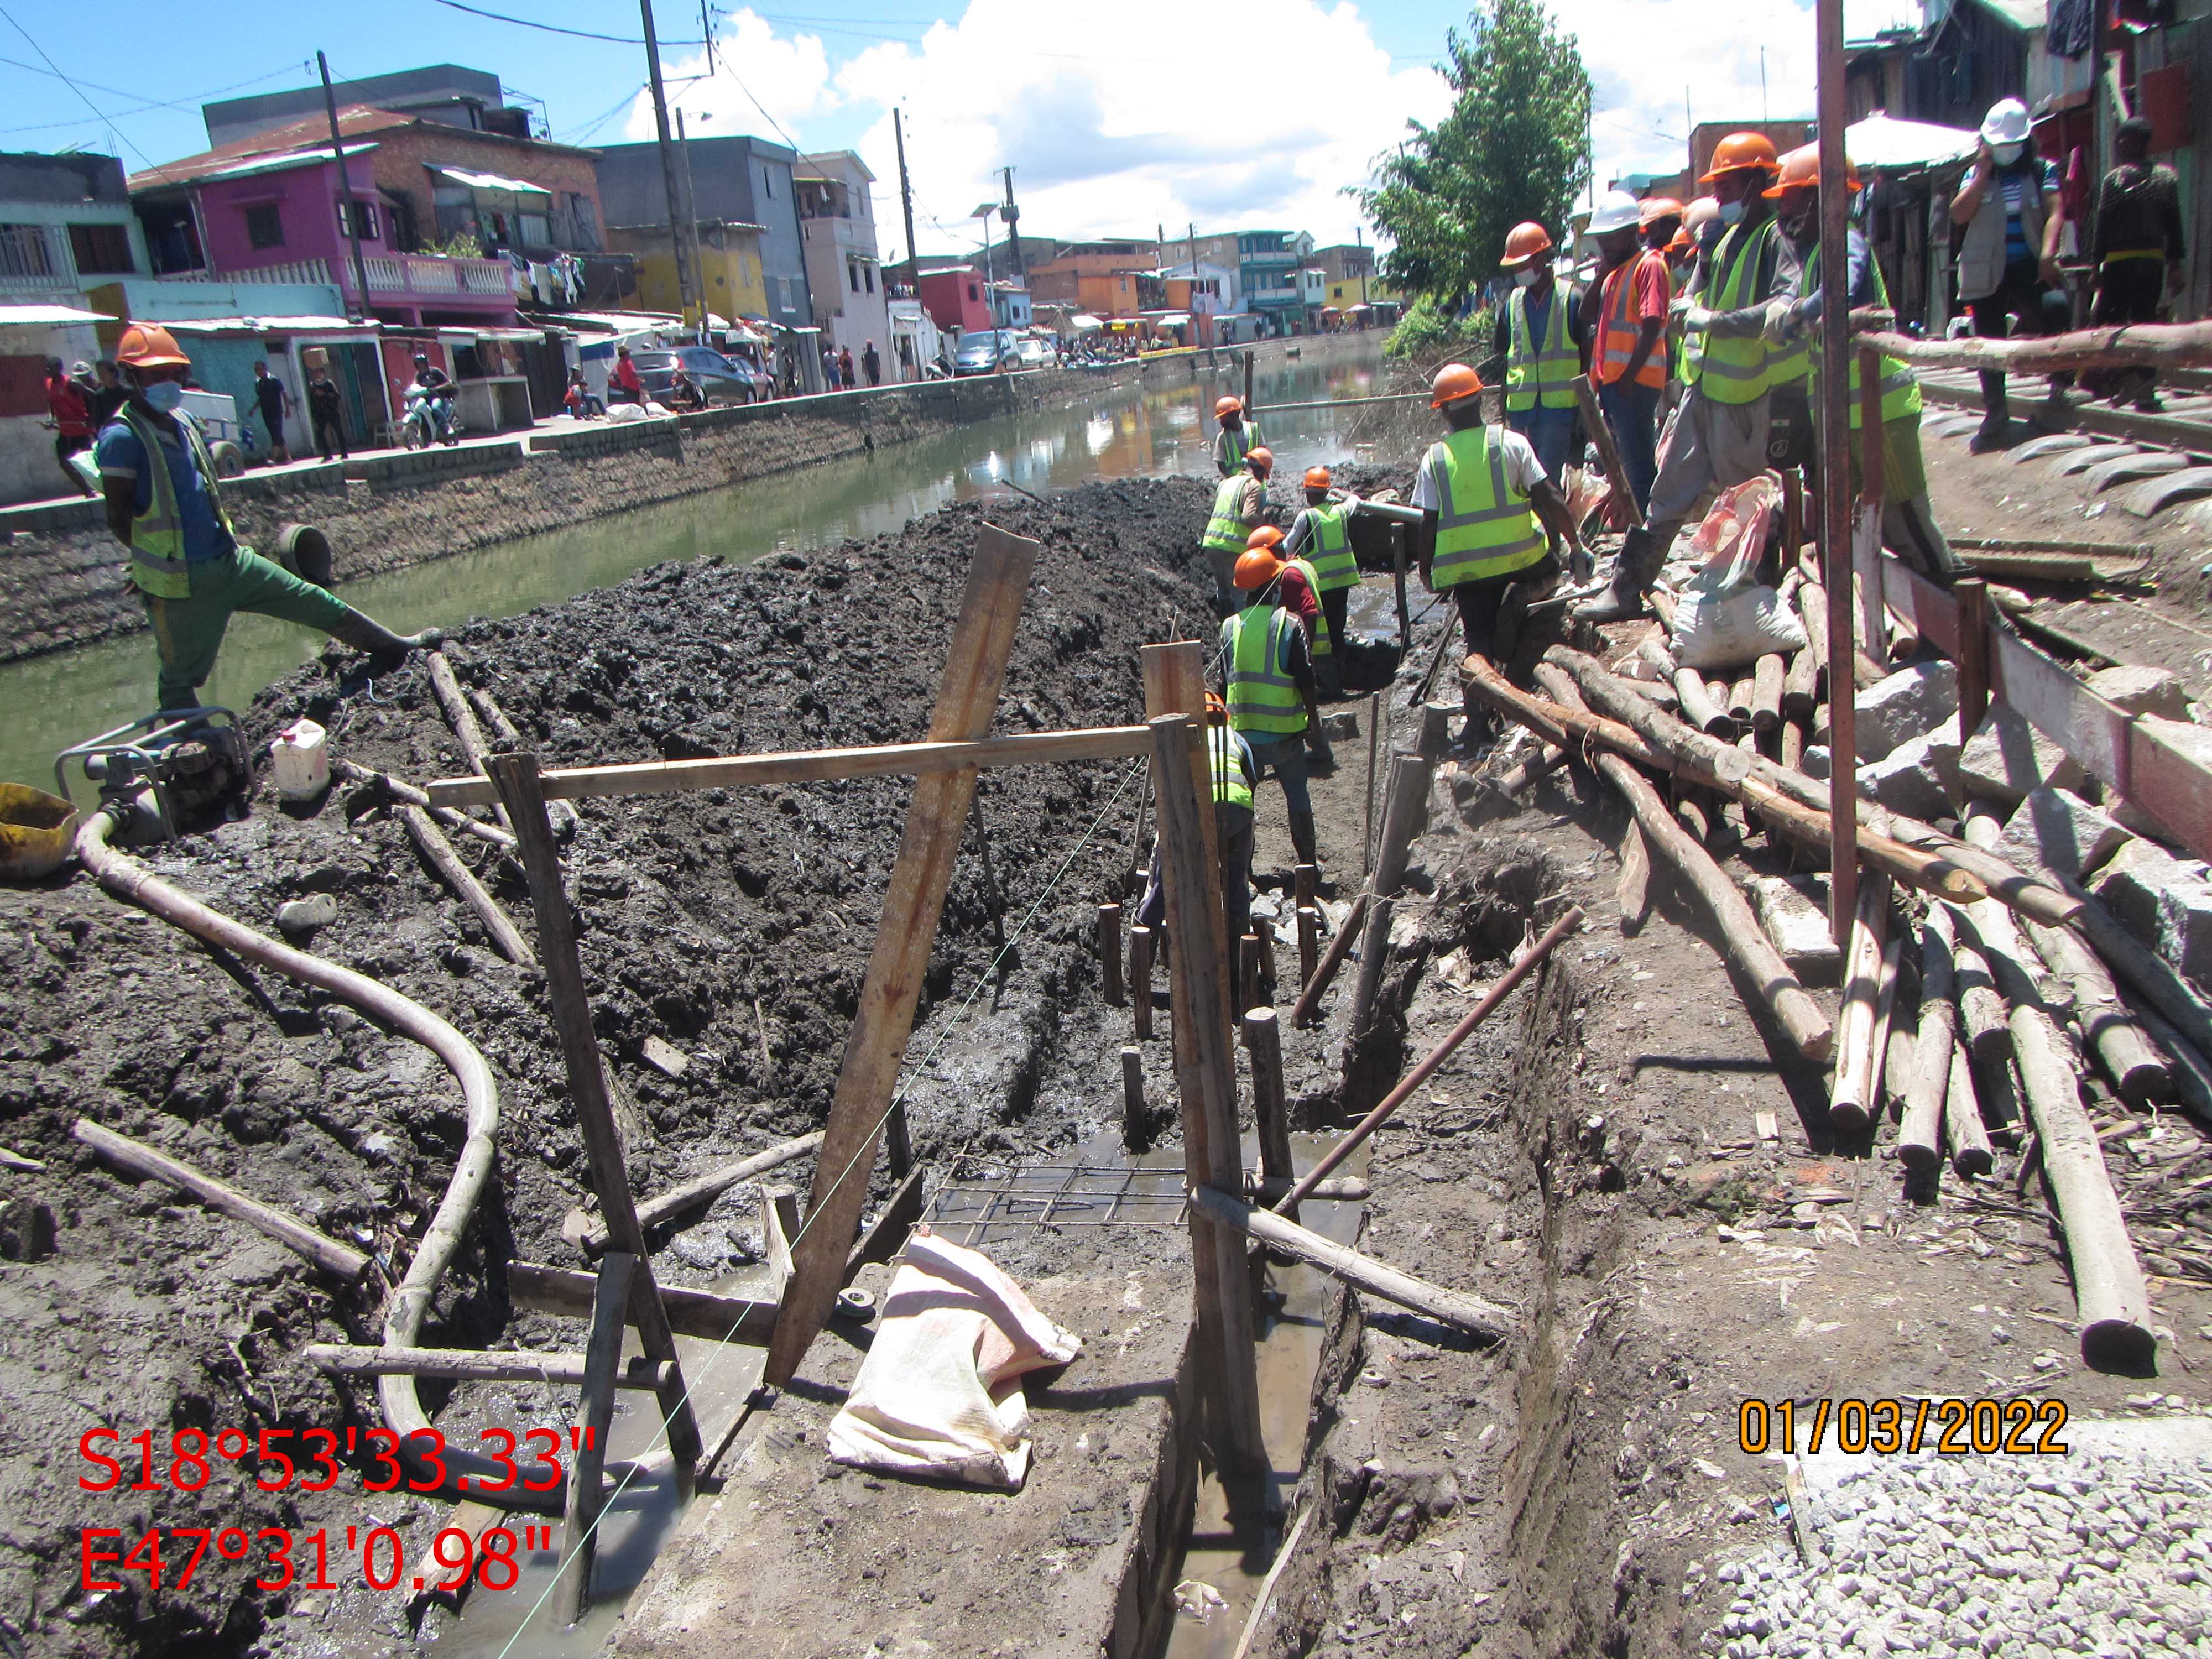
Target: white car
x=1038 y=354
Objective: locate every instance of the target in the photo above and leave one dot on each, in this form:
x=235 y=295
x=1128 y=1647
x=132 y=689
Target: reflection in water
x=57 y=699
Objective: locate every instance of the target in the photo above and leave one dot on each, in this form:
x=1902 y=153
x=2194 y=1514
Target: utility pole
x=683 y=234
x=691 y=221
x=345 y=193
x=906 y=205
x=1013 y=216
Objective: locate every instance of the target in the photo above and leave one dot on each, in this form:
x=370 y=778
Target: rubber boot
x=1302 y=837
x=1633 y=573
x=387 y=650
x=1996 y=414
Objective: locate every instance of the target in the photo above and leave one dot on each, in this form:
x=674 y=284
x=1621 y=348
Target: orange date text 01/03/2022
x=168 y=1556
x=312 y=1460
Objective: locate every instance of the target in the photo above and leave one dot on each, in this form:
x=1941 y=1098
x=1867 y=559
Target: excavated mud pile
x=733 y=926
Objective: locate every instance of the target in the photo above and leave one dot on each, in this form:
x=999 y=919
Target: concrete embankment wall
x=62 y=579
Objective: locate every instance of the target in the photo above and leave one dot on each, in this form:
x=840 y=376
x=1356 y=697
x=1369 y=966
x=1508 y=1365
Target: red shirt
x=626 y=375
x=67 y=404
x=1295 y=597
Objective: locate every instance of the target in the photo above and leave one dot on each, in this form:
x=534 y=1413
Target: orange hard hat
x=1260 y=458
x=1681 y=242
x=1215 y=709
x=1524 y=243
x=1655 y=208
x=1800 y=170
x=1265 y=536
x=1255 y=568
x=1453 y=382
x=148 y=345
x=1227 y=406
x=1317 y=477
x=1740 y=150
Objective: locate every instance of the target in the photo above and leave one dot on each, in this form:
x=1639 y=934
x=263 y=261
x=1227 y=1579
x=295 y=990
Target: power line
x=107 y=126
x=556 y=28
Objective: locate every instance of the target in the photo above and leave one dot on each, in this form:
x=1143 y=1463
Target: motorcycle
x=429 y=420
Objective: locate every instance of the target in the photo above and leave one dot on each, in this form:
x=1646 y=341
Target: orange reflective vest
x=1622 y=326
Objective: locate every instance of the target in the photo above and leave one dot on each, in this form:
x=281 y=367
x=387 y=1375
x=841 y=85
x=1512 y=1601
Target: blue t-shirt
x=2013 y=187
x=123 y=456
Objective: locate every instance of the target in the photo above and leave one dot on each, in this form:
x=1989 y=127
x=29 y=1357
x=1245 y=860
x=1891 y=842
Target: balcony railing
x=490 y=279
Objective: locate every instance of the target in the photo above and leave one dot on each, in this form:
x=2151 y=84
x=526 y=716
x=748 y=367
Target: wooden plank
x=704 y=1189
x=539 y=1287
x=975 y=672
x=595 y=1416
x=1175 y=683
x=487 y=1365
x=812 y=765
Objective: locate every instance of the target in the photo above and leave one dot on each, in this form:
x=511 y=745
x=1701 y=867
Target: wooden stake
x=563 y=813
x=1247 y=971
x=1375 y=744
x=396 y=790
x=1140 y=982
x=1801 y=685
x=1338 y=948
x=1309 y=942
x=1981 y=1010
x=1136 y=1116
x=2127 y=1055
x=294 y=1234
x=1972 y=595
x=1608 y=454
x=1698 y=707
x=1408 y=812
x=974 y=674
x=1964 y=1133
x=1270 y=1110
x=463 y=719
x=1306 y=884
x=1767 y=677
x=1109 y=953
x=516 y=776
x=1869 y=974
x=702 y=1190
x=1739 y=693
x=499 y=926
x=595 y=1414
x=1919 y=1137
x=1266 y=937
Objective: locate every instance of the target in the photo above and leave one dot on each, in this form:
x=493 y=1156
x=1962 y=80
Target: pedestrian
x=1716 y=437
x=578 y=397
x=108 y=395
x=1908 y=521
x=326 y=412
x=2008 y=261
x=624 y=385
x=1320 y=535
x=845 y=367
x=1267 y=678
x=2137 y=249
x=71 y=416
x=1625 y=316
x=274 y=401
x=871 y=363
x=1240 y=505
x=684 y=391
x=1236 y=775
x=1486 y=503
x=165 y=505
x=829 y=369
x=1538 y=334
x=1238 y=438
x=906 y=357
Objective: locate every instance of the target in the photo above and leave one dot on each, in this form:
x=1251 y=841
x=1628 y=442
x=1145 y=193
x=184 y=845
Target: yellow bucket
x=36 y=832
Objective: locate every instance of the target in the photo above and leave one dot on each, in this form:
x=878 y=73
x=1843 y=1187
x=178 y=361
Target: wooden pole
x=1964 y=1133
x=1398 y=577
x=492 y=1365
x=2140 y=345
x=1175 y=683
x=563 y=813
x=1532 y=960
x=1309 y=921
x=1739 y=703
x=294 y=1234
x=1868 y=968
x=1469 y=1313
x=993 y=897
x=1767 y=674
x=1402 y=821
x=540 y=1288
x=1247 y=971
x=595 y=1414
x=1919 y=1137
x=2127 y=1055
x=1338 y=948
x=704 y=1189
x=1374 y=747
x=974 y=674
x=396 y=790
x=1608 y=453
x=1136 y=1116
x=1264 y=937
x=1263 y=1043
x=1973 y=594
x=2150 y=973
x=1109 y=953
x=463 y=719
x=1140 y=982
x=1205 y=1070
x=516 y=774
x=498 y=926
x=1698 y=707
x=1833 y=423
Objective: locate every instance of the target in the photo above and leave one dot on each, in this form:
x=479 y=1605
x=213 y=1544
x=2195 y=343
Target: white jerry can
x=302 y=754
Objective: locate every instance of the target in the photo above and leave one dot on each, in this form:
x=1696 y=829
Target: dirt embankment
x=734 y=926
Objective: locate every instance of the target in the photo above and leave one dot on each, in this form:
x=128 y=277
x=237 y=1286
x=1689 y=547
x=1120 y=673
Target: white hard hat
x=2006 y=123
x=1619 y=211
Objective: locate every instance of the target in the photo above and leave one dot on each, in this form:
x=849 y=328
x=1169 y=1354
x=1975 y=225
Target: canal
x=1126 y=432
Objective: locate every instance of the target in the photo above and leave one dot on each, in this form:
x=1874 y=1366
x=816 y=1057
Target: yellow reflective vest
x=1226 y=530
x=1739 y=368
x=1328 y=543
x=1485 y=526
x=1319 y=646
x=1262 y=695
x=1900 y=386
x=157 y=535
x=1539 y=371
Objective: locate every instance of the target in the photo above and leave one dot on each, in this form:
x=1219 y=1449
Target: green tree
x=1514 y=147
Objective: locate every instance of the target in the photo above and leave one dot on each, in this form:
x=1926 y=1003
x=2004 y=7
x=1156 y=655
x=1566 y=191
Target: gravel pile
x=2103 y=1553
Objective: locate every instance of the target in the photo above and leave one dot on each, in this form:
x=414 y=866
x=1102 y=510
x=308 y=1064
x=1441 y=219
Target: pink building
x=954 y=298
x=282 y=218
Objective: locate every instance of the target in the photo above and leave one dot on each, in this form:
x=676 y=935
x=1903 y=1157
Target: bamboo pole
x=705 y=1188
x=294 y=1234
x=1919 y=1137
x=498 y=926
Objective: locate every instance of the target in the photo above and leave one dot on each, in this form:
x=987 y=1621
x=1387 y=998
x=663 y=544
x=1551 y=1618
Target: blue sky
x=1114 y=121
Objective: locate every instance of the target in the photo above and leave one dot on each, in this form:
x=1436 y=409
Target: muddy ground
x=725 y=924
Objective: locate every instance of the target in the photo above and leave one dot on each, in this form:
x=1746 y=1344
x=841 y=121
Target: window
x=23 y=251
x=264 y=226
x=767 y=185
x=973 y=293
x=868 y=276
x=101 y=250
x=783 y=287
x=360 y=222
x=535 y=229
x=853 y=275
x=585 y=219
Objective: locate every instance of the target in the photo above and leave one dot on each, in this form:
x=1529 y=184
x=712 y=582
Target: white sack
x=939 y=1393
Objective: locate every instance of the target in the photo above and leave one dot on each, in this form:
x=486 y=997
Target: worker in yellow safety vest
x=1320 y=537
x=1537 y=332
x=1238 y=437
x=1486 y=504
x=1265 y=670
x=192 y=573
x=1717 y=435
x=1908 y=521
x=1236 y=775
x=1240 y=504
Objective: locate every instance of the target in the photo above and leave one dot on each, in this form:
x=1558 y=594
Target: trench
x=1122 y=432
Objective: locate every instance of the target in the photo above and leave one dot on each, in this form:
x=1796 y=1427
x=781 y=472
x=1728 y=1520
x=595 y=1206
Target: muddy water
x=57 y=699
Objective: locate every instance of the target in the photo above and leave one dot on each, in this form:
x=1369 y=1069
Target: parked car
x=986 y=351
x=1038 y=354
x=724 y=380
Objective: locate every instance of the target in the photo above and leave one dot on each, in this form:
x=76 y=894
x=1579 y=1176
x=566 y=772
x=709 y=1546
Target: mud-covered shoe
x=1622 y=602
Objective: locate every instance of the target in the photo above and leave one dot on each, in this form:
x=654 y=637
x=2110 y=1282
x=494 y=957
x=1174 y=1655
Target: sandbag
x=1725 y=617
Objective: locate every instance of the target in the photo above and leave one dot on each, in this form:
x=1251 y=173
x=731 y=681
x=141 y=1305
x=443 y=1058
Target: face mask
x=2007 y=154
x=165 y=397
x=1731 y=212
x=1526 y=278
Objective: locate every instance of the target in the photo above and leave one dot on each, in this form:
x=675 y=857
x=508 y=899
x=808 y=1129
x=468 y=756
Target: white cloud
x=789 y=74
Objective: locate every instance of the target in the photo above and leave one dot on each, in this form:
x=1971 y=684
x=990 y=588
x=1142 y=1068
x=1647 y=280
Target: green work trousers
x=188 y=632
x=1908 y=523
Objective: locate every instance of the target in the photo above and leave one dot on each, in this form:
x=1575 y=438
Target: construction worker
x=2008 y=262
x=164 y=504
x=1236 y=775
x=1536 y=333
x=1716 y=437
x=1908 y=525
x=1267 y=674
x=1295 y=589
x=1238 y=438
x=1240 y=504
x=1624 y=315
x=1321 y=536
x=1657 y=219
x=1482 y=493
